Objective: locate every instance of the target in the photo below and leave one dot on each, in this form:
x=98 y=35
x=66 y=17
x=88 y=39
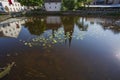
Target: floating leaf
x=26 y=43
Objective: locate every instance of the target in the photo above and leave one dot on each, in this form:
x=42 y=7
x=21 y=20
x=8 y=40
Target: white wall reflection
x=11 y=29
x=53 y=20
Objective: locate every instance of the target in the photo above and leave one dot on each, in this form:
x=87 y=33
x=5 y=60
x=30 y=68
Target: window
x=6 y=32
x=2 y=9
x=8 y=24
x=0 y=4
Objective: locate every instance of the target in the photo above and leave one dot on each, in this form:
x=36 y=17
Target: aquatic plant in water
x=6 y=70
x=49 y=40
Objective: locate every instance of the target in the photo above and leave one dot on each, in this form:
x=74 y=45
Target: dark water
x=62 y=48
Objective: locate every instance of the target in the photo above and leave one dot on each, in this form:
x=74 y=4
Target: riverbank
x=4 y=17
x=81 y=12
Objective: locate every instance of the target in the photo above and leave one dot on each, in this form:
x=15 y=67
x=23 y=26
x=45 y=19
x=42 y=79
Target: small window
x=8 y=24
x=0 y=4
x=2 y=9
x=6 y=32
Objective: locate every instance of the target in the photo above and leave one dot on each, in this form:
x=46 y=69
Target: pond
x=61 y=48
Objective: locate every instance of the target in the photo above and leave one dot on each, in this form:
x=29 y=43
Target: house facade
x=52 y=5
x=106 y=1
x=5 y=6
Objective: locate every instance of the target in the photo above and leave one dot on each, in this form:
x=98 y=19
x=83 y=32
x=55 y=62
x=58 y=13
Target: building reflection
x=107 y=24
x=11 y=29
x=53 y=23
x=112 y=24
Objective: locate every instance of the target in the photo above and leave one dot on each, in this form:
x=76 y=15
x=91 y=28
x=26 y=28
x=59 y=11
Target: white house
x=53 y=5
x=106 y=1
x=5 y=6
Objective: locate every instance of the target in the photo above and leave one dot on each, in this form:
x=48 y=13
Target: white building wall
x=15 y=7
x=53 y=6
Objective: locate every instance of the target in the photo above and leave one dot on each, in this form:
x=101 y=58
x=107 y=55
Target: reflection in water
x=36 y=26
x=11 y=29
x=68 y=23
x=64 y=48
x=54 y=23
x=107 y=24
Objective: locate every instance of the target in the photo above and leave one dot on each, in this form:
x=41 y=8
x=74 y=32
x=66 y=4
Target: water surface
x=61 y=48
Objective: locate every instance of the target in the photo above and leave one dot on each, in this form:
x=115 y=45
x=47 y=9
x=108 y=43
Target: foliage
x=74 y=4
x=68 y=4
x=31 y=2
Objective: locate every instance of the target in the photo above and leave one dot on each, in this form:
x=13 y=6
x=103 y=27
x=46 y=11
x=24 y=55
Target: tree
x=31 y=2
x=68 y=4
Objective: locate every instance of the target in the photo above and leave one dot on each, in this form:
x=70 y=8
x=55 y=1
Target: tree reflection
x=68 y=23
x=36 y=26
x=81 y=24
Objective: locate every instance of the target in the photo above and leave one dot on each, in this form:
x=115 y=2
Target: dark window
x=0 y=4
x=2 y=9
x=6 y=32
x=8 y=24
